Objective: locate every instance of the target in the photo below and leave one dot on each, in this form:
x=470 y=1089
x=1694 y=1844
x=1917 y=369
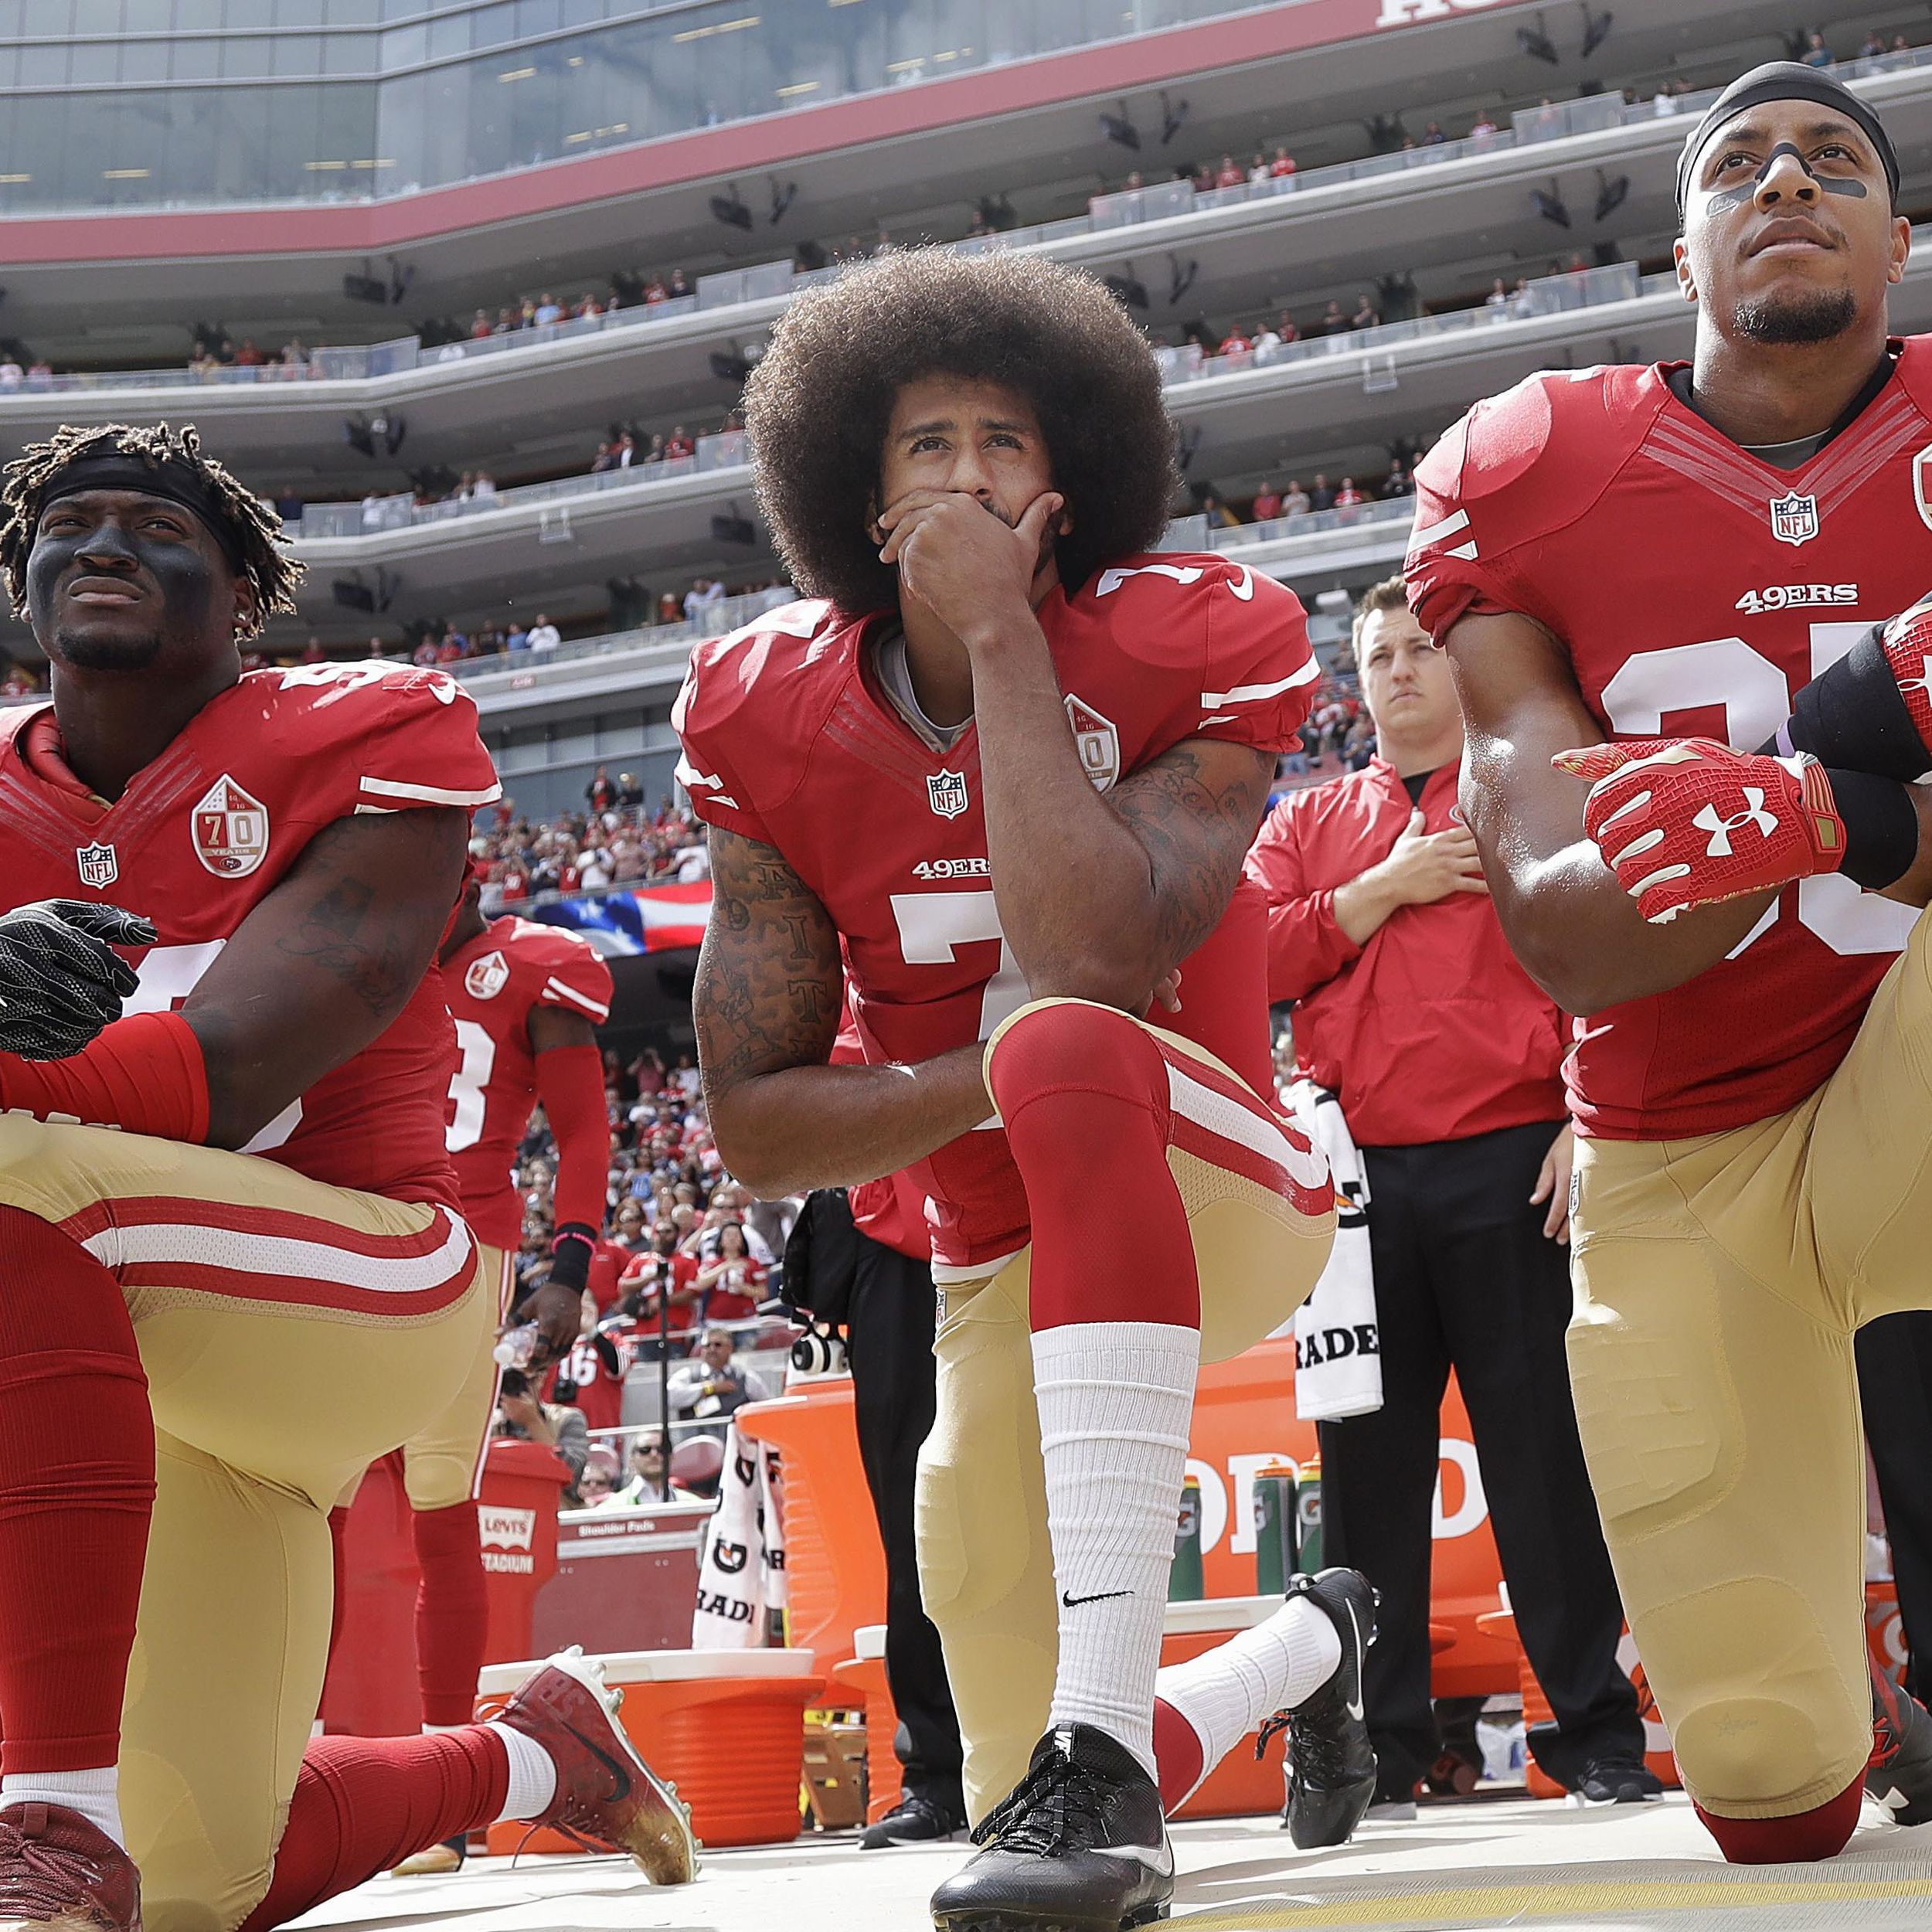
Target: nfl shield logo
x=1097 y=741
x=947 y=790
x=99 y=867
x=1794 y=518
x=487 y=976
x=230 y=830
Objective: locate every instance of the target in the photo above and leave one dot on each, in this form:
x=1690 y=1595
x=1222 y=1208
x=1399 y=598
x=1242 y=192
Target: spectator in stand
x=630 y=793
x=1230 y=174
x=248 y=355
x=482 y=327
x=1433 y=136
x=1397 y=483
x=733 y=1284
x=650 y=1477
x=1237 y=348
x=373 y=512
x=549 y=310
x=1220 y=515
x=1287 y=328
x=1282 y=167
x=1295 y=501
x=679 y=444
x=11 y=374
x=1816 y=53
x=557 y=1423
x=606 y=458
x=1498 y=299
x=1485 y=130
x=288 y=505
x=678 y=287
x=1348 y=497
x=1366 y=315
x=713 y=1385
x=659 y=1288
x=483 y=489
x=600 y=794
x=1333 y=321
x=1266 y=506
x=1321 y=497
x=1266 y=343
x=544 y=635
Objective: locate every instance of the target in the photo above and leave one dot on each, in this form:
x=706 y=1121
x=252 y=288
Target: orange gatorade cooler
x=865 y=1673
x=727 y=1727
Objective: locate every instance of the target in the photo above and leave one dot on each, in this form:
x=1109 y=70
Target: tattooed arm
x=766 y=1004
x=325 y=962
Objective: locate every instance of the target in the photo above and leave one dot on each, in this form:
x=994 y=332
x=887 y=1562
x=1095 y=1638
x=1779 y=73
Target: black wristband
x=1881 y=827
x=1852 y=717
x=570 y=1255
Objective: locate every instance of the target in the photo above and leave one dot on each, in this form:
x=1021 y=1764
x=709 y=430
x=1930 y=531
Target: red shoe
x=605 y=1792
x=60 y=1872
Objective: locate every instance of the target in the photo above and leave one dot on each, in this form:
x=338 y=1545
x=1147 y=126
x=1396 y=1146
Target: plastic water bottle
x=1274 y=1529
x=1185 y=1584
x=518 y=1348
x=1307 y=1516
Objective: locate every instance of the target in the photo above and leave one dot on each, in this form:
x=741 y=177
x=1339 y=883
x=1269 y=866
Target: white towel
x=741 y=1567
x=1338 y=1345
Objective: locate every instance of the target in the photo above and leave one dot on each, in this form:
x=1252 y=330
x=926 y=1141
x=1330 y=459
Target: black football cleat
x=1615 y=1781
x=1899 y=1776
x=1080 y=1846
x=1330 y=1767
x=919 y=1817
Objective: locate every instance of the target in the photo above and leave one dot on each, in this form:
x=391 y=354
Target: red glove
x=1685 y=822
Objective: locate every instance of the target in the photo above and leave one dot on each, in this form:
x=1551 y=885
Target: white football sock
x=1116 y=1398
x=95 y=1795
x=1227 y=1692
x=532 y=1775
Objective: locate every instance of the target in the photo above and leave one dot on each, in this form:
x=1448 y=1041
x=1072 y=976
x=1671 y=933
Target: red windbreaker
x=1430 y=1032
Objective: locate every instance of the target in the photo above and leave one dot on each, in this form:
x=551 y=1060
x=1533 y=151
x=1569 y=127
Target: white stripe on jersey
x=126 y=1244
x=688 y=775
x=1450 y=525
x=429 y=795
x=557 y=986
x=1254 y=693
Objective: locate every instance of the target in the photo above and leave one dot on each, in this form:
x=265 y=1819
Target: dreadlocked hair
x=818 y=407
x=271 y=573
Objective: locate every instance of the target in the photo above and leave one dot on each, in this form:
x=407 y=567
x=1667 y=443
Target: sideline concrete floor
x=1508 y=1863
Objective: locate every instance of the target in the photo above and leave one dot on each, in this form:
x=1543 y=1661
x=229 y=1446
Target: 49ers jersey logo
x=486 y=976
x=230 y=830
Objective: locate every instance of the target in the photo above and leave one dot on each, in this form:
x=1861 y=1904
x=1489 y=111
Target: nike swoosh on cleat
x=1104 y=1597
x=621 y=1776
x=1354 y=1706
x=1158 y=1859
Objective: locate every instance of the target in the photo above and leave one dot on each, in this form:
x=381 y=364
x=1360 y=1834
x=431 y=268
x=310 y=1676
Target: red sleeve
x=1306 y=947
x=576 y=981
x=407 y=739
x=1259 y=672
x=144 y=1074
x=708 y=719
x=1481 y=493
x=570 y=1081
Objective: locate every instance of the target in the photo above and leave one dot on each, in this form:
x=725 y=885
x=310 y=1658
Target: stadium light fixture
x=1180 y=278
x=1595 y=28
x=1537 y=44
x=1119 y=128
x=358 y=434
x=1549 y=204
x=733 y=527
x=731 y=364
x=730 y=209
x=1173 y=117
x=1187 y=446
x=1611 y=194
x=1128 y=290
x=781 y=199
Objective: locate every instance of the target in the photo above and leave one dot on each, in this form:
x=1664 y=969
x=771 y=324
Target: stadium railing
x=778 y=281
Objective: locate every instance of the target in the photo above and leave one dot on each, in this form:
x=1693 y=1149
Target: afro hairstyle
x=818 y=407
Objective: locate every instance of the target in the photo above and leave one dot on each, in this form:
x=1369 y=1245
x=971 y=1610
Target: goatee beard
x=100 y=654
x=1814 y=315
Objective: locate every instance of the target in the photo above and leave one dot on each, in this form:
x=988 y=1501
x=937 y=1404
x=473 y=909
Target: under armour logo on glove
x=1685 y=821
x=1720 y=829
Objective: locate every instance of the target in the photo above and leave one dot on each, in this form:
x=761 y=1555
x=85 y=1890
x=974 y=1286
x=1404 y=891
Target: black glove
x=60 y=984
x=570 y=1255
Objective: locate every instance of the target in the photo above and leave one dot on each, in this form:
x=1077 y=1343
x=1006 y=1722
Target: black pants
x=886 y=1301
x=1465 y=1277
x=1895 y=1389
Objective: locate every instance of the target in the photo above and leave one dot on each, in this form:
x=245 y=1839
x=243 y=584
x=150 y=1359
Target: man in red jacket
x=1409 y=1005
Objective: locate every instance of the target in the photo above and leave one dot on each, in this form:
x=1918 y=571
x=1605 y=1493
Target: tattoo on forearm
x=1196 y=824
x=766 y=994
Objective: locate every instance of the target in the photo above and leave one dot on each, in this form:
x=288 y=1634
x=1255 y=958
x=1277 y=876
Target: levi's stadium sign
x=1408 y=13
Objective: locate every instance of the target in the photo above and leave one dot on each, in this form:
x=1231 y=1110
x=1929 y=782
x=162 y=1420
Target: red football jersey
x=494 y=985
x=600 y=1393
x=1697 y=589
x=788 y=740
x=205 y=832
